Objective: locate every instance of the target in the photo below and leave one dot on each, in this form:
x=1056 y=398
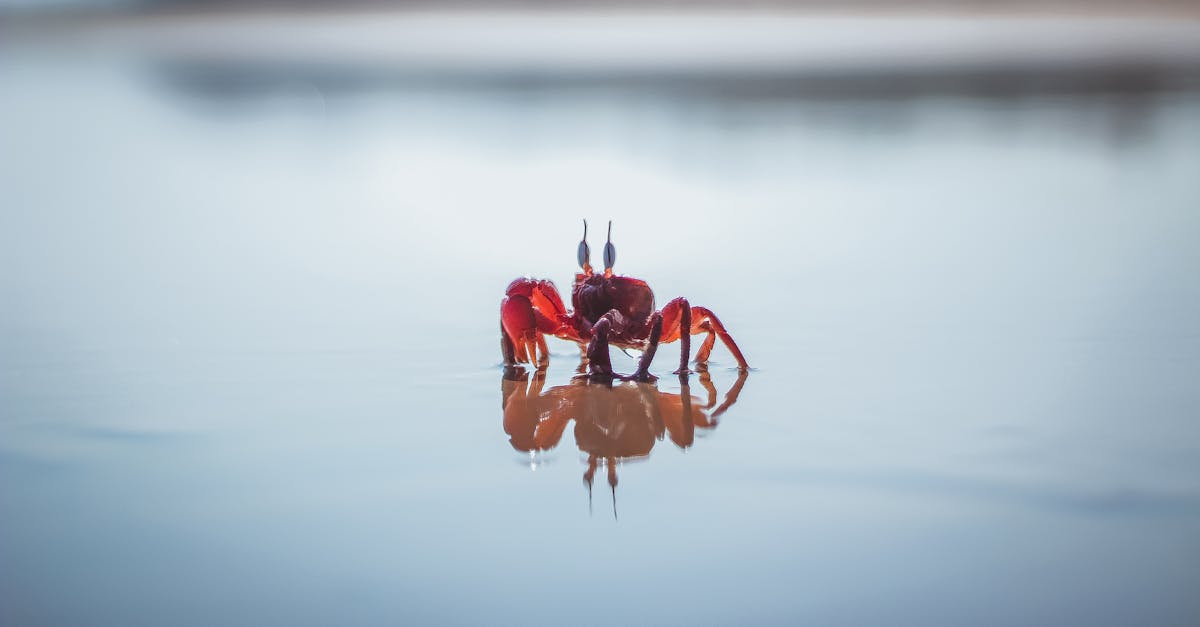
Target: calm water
x=249 y=358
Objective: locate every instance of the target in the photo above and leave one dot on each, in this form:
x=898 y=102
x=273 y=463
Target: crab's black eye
x=585 y=253
x=610 y=251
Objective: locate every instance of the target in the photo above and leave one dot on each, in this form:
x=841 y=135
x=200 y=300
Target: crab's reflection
x=613 y=422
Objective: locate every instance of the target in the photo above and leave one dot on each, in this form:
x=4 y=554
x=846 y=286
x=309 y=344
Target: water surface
x=250 y=367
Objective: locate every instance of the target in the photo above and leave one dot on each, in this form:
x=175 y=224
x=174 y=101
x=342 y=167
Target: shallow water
x=250 y=367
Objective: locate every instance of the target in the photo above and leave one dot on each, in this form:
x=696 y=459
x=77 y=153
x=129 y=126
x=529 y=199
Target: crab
x=609 y=310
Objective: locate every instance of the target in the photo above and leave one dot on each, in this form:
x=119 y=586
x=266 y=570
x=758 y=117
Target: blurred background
x=251 y=256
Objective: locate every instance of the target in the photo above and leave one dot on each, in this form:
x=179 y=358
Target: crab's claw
x=530 y=309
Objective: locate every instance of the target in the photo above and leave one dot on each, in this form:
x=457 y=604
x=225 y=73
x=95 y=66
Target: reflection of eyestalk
x=585 y=253
x=589 y=477
x=612 y=482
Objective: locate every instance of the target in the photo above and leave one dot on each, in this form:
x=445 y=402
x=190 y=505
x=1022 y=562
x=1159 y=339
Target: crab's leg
x=544 y=360
x=643 y=371
x=714 y=326
x=677 y=315
x=599 y=365
x=709 y=341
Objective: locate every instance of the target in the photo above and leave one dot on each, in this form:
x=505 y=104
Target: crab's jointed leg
x=599 y=365
x=643 y=370
x=678 y=315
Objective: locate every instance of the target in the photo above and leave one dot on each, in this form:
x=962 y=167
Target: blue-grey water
x=250 y=366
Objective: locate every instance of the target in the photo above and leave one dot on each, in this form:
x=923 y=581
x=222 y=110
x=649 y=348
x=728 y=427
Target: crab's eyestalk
x=610 y=252
x=585 y=253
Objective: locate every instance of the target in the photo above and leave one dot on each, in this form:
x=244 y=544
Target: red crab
x=609 y=309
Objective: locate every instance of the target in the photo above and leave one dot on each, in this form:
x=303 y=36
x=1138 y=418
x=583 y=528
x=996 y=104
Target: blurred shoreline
x=633 y=44
x=1061 y=8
